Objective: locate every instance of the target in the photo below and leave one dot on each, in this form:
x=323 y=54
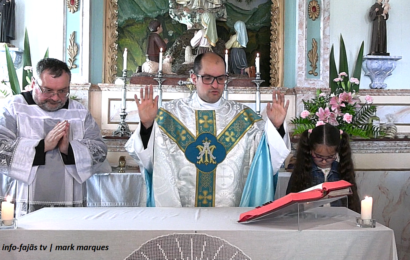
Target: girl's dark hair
x=330 y=136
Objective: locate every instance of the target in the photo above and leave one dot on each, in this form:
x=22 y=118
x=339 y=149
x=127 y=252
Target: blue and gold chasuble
x=206 y=150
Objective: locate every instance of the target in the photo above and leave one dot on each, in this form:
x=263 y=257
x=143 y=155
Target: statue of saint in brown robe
x=378 y=44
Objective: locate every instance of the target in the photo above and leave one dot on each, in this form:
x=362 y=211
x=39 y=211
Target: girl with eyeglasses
x=324 y=155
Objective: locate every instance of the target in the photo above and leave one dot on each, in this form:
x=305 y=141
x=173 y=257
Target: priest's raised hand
x=278 y=109
x=147 y=106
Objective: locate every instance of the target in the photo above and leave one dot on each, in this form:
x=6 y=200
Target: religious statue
x=156 y=45
x=155 y=42
x=7 y=20
x=152 y=67
x=189 y=11
x=238 y=63
x=205 y=4
x=207 y=37
x=379 y=35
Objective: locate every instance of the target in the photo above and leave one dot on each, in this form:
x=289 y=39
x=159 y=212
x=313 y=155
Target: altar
x=189 y=233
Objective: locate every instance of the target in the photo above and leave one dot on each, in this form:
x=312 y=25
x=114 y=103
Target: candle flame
x=257 y=54
x=226 y=51
x=8 y=198
x=160 y=49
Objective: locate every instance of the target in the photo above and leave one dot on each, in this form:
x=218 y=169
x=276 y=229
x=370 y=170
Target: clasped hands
x=58 y=136
x=148 y=107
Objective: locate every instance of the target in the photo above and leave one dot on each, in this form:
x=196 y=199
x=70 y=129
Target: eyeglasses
x=208 y=79
x=62 y=93
x=323 y=158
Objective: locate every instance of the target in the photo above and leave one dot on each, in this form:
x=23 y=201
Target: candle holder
x=123 y=129
x=365 y=223
x=225 y=93
x=159 y=79
x=187 y=83
x=258 y=81
x=4 y=224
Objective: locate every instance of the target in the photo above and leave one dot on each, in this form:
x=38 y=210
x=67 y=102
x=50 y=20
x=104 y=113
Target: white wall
x=350 y=18
x=44 y=20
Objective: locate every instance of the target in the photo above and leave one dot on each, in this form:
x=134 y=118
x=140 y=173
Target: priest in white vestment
x=205 y=151
x=48 y=143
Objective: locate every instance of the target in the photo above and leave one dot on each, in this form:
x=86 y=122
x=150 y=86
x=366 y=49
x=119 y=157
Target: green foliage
x=27 y=67
x=4 y=92
x=14 y=82
x=27 y=74
x=343 y=67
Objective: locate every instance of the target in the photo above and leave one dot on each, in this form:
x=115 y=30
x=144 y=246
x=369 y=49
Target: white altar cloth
x=124 y=230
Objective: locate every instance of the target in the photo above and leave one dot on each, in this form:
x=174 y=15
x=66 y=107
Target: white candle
x=257 y=63
x=124 y=98
x=367 y=205
x=160 y=60
x=7 y=212
x=226 y=60
x=124 y=66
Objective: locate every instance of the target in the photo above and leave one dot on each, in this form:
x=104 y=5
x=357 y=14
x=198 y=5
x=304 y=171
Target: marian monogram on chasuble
x=206 y=149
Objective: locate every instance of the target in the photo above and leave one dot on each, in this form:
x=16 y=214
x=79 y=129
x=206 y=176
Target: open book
x=322 y=191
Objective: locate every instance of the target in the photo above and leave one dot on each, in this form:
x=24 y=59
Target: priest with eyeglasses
x=206 y=151
x=49 y=144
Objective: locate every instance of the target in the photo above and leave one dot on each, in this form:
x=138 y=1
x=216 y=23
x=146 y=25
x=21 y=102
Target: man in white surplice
x=200 y=151
x=49 y=143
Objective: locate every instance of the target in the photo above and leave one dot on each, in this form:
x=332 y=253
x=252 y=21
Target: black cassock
x=7 y=20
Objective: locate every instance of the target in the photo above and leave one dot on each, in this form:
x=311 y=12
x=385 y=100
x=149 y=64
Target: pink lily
x=323 y=114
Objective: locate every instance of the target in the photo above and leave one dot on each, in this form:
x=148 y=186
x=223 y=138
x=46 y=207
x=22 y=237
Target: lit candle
x=257 y=63
x=124 y=66
x=7 y=212
x=367 y=204
x=160 y=60
x=226 y=60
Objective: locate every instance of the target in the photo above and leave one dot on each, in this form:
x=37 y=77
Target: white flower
x=30 y=68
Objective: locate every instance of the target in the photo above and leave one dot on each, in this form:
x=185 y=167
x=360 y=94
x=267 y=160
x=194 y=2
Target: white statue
x=386 y=8
x=205 y=4
x=189 y=57
x=152 y=66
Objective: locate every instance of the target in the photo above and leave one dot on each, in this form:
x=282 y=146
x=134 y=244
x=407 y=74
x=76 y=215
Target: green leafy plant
x=27 y=71
x=343 y=67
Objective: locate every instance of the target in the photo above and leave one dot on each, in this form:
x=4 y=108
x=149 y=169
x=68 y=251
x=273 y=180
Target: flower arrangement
x=342 y=109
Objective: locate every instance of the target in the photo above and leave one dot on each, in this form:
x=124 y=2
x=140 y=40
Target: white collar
x=205 y=105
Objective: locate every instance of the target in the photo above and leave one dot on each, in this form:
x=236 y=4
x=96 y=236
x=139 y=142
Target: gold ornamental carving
x=276 y=39
x=314 y=10
x=72 y=5
x=313 y=58
x=111 y=38
x=72 y=51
